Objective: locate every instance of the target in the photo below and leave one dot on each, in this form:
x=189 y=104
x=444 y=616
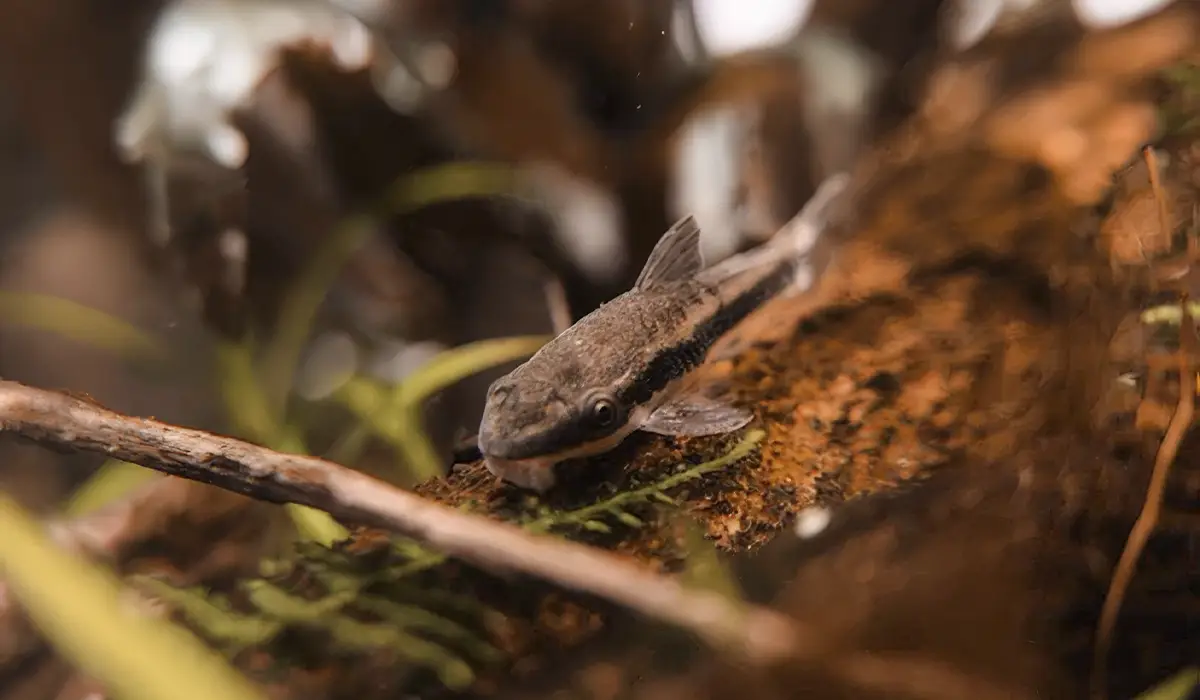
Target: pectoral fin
x=695 y=415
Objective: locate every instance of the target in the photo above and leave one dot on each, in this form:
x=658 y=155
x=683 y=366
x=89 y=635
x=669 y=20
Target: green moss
x=617 y=506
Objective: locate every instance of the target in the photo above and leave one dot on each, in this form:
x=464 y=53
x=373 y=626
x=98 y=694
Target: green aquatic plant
x=230 y=630
x=84 y=613
x=79 y=323
x=256 y=391
x=410 y=192
x=595 y=517
x=250 y=410
x=352 y=620
x=703 y=567
x=394 y=413
x=111 y=481
x=97 y=329
x=1181 y=686
x=618 y=504
x=361 y=603
x=247 y=406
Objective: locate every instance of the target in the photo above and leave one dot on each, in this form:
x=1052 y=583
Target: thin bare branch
x=56 y=419
x=1160 y=199
x=1147 y=519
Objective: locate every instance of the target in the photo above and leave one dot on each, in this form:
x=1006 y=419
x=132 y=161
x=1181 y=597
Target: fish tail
x=806 y=228
x=792 y=245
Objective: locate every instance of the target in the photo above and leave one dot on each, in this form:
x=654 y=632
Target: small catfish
x=628 y=365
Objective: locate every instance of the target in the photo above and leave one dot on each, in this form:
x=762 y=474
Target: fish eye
x=602 y=412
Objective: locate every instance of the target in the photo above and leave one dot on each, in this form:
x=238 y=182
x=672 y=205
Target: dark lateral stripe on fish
x=670 y=364
x=676 y=361
x=568 y=436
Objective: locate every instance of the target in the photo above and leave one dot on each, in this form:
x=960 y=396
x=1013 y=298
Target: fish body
x=628 y=365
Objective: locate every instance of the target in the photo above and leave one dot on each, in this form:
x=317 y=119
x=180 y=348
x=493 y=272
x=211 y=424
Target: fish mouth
x=536 y=473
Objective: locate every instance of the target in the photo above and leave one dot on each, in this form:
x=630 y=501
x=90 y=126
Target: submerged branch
x=62 y=421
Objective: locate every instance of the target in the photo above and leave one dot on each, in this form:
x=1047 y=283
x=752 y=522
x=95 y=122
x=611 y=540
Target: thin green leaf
x=704 y=568
x=282 y=354
x=628 y=519
x=211 y=614
x=396 y=416
x=80 y=610
x=1177 y=687
x=355 y=635
x=422 y=188
x=111 y=481
x=454 y=365
x=253 y=418
x=449 y=182
x=349 y=633
x=79 y=323
x=282 y=605
x=400 y=425
x=415 y=617
x=596 y=526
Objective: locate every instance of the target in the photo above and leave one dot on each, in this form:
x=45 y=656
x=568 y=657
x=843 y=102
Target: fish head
x=572 y=399
x=531 y=424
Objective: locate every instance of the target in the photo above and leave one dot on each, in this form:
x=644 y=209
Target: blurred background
x=262 y=216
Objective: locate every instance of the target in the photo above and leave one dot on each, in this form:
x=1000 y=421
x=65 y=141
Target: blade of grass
x=94 y=328
x=449 y=182
x=442 y=183
x=112 y=480
x=1177 y=687
x=79 y=323
x=454 y=365
x=396 y=415
x=80 y=609
x=703 y=565
x=281 y=356
x=398 y=424
x=260 y=414
x=253 y=418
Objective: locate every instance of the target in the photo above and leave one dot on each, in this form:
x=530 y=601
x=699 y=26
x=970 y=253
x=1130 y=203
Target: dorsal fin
x=676 y=256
